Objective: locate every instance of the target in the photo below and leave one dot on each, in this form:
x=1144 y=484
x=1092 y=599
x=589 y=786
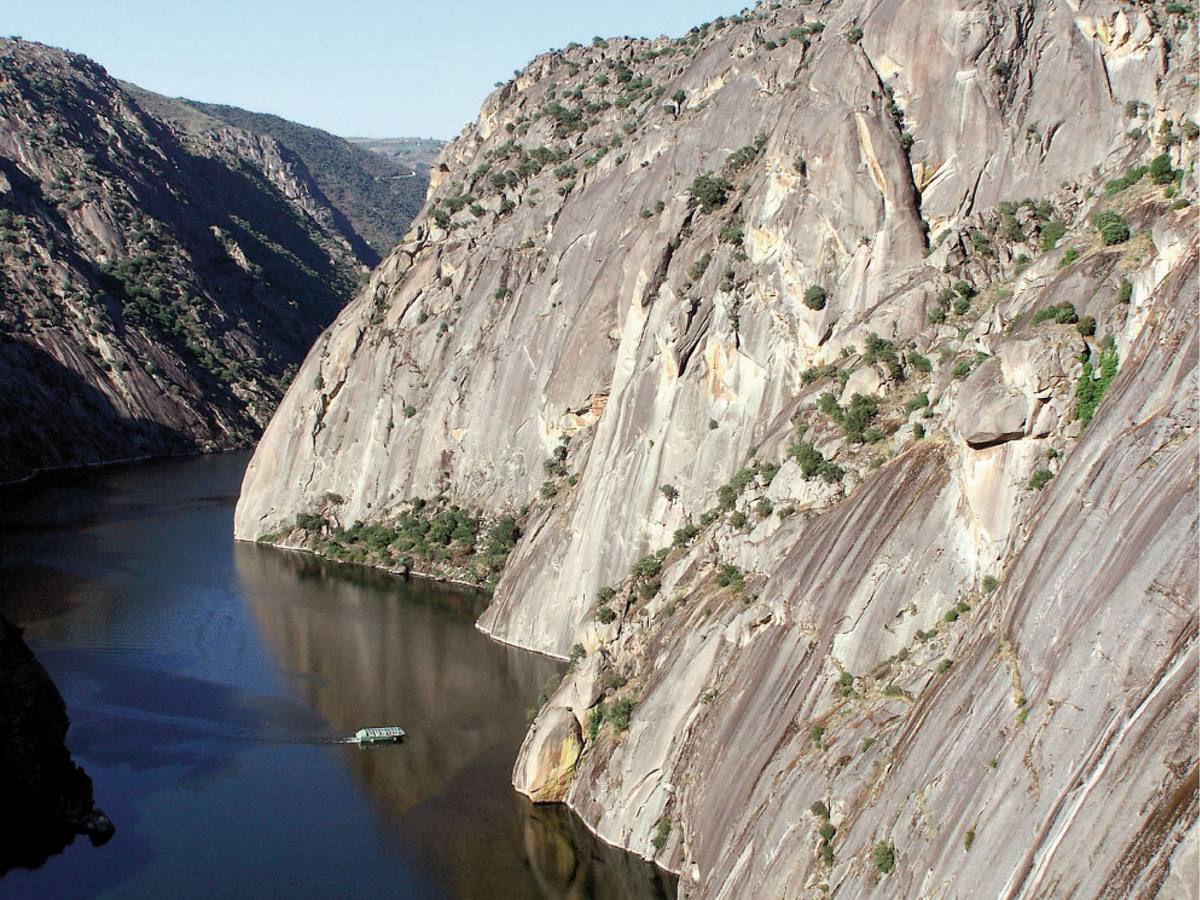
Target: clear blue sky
x=355 y=67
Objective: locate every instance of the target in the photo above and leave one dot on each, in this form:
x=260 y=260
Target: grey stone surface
x=1056 y=733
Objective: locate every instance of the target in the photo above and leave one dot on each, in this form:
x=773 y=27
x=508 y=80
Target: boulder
x=990 y=411
x=548 y=756
x=868 y=381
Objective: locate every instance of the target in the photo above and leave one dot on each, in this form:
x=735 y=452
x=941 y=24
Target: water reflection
x=569 y=862
x=376 y=651
x=370 y=657
x=204 y=680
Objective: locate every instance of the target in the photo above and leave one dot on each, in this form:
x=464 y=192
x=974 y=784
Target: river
x=206 y=681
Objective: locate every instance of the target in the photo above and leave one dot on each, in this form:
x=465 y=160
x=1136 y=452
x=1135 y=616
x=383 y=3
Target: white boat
x=381 y=735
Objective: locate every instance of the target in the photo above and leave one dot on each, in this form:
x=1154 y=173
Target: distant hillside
x=159 y=281
x=418 y=153
x=373 y=190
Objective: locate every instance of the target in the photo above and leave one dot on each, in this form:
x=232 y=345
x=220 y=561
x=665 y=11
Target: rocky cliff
x=160 y=277
x=836 y=367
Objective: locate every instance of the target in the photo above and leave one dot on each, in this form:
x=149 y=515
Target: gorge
x=802 y=412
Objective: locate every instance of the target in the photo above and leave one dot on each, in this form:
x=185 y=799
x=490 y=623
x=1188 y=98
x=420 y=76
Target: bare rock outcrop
x=838 y=365
x=990 y=411
x=549 y=756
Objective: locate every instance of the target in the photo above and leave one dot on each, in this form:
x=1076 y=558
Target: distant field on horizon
x=415 y=152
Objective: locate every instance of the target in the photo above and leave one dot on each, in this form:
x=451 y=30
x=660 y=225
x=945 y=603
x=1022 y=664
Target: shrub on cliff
x=727 y=494
x=310 y=522
x=1161 y=171
x=814 y=297
x=699 y=267
x=743 y=157
x=595 y=721
x=1040 y=479
x=919 y=401
x=647 y=567
x=1112 y=227
x=710 y=191
x=620 y=712
x=733 y=233
x=731 y=577
x=884 y=351
x=813 y=463
x=1092 y=388
x=662 y=830
x=1125 y=291
x=1130 y=178
x=856 y=418
x=1051 y=233
x=502 y=537
x=884 y=856
x=1062 y=313
x=685 y=534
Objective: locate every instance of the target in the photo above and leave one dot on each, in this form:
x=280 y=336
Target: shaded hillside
x=373 y=191
x=823 y=383
x=157 y=288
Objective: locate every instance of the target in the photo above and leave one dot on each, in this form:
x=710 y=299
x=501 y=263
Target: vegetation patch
x=710 y=192
x=815 y=297
x=883 y=855
x=855 y=419
x=1061 y=313
x=1112 y=227
x=1092 y=387
x=426 y=537
x=662 y=831
x=1040 y=479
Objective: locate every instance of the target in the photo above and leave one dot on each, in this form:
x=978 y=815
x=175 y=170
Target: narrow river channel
x=208 y=681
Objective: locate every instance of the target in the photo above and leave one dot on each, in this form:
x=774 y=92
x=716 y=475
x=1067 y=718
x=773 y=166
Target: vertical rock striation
x=839 y=364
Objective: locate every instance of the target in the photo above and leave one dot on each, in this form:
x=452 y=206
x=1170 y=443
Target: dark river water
x=205 y=681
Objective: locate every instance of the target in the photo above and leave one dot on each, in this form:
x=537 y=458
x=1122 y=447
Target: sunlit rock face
x=928 y=533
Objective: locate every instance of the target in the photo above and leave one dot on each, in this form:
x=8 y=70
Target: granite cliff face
x=161 y=273
x=838 y=366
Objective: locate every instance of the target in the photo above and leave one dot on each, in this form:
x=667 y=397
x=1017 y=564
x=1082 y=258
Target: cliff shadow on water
x=47 y=798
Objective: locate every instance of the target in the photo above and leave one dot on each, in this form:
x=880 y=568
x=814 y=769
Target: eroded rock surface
x=892 y=583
